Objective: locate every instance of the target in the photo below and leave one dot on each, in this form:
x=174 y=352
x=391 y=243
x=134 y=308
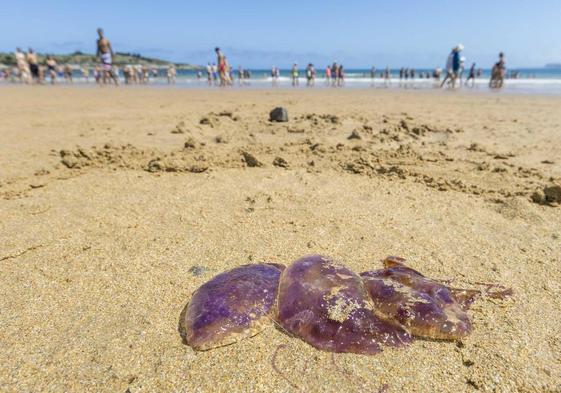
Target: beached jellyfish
x=233 y=305
x=425 y=307
x=326 y=305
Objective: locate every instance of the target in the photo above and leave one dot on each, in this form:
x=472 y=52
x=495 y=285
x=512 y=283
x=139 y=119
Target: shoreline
x=529 y=87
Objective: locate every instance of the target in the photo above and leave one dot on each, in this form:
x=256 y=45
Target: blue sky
x=358 y=33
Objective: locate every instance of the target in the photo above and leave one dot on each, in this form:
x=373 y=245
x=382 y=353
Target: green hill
x=82 y=59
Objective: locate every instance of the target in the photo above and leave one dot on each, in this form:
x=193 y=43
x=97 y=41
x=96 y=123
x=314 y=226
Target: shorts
x=106 y=61
x=34 y=68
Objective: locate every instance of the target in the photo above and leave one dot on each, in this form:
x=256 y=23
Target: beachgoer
x=240 y=75
x=461 y=71
x=23 y=67
x=498 y=72
x=86 y=74
x=231 y=74
x=67 y=72
x=171 y=73
x=334 y=73
x=310 y=74
x=294 y=74
x=340 y=75
x=471 y=76
x=105 y=54
x=221 y=62
x=51 y=68
x=127 y=73
x=387 y=76
x=328 y=75
x=457 y=64
x=33 y=66
x=214 y=72
x=452 y=66
x=227 y=73
x=209 y=73
x=145 y=74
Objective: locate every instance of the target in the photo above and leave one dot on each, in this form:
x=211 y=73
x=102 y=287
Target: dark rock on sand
x=279 y=114
x=190 y=143
x=280 y=162
x=550 y=195
x=354 y=135
x=553 y=194
x=250 y=160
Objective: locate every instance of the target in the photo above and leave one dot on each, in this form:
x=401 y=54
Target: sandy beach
x=116 y=204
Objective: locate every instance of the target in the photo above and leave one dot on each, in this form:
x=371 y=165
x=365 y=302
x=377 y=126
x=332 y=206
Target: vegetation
x=82 y=59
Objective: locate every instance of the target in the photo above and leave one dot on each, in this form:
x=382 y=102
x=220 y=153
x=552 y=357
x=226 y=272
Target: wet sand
x=116 y=204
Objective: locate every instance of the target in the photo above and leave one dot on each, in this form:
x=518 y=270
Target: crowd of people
x=29 y=70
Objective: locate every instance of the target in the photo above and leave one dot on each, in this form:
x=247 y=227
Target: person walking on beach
x=340 y=75
x=310 y=75
x=453 y=64
x=334 y=73
x=67 y=72
x=105 y=54
x=171 y=73
x=461 y=70
x=86 y=74
x=51 y=68
x=209 y=73
x=33 y=66
x=328 y=75
x=457 y=64
x=23 y=66
x=471 y=76
x=221 y=62
x=275 y=73
x=387 y=76
x=498 y=73
x=295 y=75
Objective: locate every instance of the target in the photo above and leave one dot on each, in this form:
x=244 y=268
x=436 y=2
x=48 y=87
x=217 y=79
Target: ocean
x=527 y=80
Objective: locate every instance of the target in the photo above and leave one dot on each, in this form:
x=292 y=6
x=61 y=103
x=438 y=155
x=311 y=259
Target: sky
x=260 y=34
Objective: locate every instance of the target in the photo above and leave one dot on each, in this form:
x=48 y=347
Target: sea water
x=528 y=80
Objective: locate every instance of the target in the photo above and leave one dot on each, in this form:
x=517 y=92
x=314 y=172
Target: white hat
x=460 y=47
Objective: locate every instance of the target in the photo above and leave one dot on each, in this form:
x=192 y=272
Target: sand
x=116 y=204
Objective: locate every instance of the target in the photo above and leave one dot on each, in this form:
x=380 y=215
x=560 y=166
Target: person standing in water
x=105 y=54
x=294 y=73
x=334 y=73
x=310 y=75
x=328 y=75
x=222 y=66
x=340 y=75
